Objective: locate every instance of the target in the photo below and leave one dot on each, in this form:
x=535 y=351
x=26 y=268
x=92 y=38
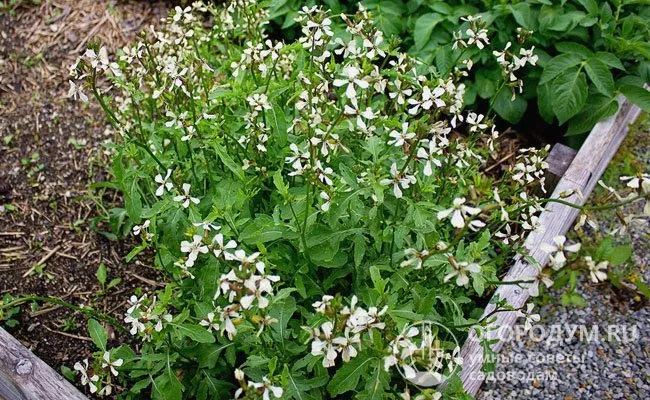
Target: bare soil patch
x=50 y=151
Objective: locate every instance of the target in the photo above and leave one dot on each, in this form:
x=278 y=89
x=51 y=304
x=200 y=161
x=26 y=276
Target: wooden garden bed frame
x=23 y=376
x=579 y=176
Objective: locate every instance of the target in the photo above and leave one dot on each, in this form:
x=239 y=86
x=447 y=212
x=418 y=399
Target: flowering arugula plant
x=308 y=203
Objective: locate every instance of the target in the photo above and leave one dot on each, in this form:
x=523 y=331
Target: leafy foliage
x=589 y=52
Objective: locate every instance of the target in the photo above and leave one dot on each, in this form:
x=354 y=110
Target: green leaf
x=423 y=28
x=195 y=332
x=618 y=255
x=375 y=276
x=642 y=287
x=574 y=48
x=212 y=388
x=208 y=354
x=570 y=90
x=298 y=387
x=97 y=334
x=278 y=181
x=598 y=107
x=166 y=386
x=572 y=298
x=359 y=249
x=228 y=161
x=262 y=229
x=278 y=124
x=590 y=5
x=557 y=65
x=600 y=75
x=101 y=274
x=610 y=60
x=522 y=14
x=282 y=312
x=637 y=95
x=132 y=201
x=347 y=377
x=377 y=384
x=508 y=109
x=545 y=102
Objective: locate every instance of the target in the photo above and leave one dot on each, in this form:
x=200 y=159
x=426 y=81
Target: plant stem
x=84 y=310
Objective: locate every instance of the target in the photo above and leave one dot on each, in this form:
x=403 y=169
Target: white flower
x=85 y=380
x=164 y=183
x=529 y=317
x=460 y=270
x=107 y=363
x=414 y=257
x=226 y=316
x=474 y=120
x=501 y=55
x=324 y=345
x=429 y=98
x=206 y=226
x=139 y=228
x=399 y=138
x=193 y=248
x=220 y=249
x=267 y=388
x=97 y=59
x=327 y=201
x=256 y=289
x=597 y=272
x=210 y=323
x=458 y=212
x=477 y=36
x=346 y=345
x=399 y=93
x=527 y=57
x=428 y=153
x=321 y=305
x=557 y=249
x=75 y=92
x=640 y=181
x=351 y=74
x=258 y=101
x=323 y=173
x=502 y=205
x=399 y=179
x=185 y=198
x=533 y=287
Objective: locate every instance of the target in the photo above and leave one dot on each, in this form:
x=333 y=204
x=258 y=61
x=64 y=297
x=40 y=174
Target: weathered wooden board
x=581 y=175
x=23 y=376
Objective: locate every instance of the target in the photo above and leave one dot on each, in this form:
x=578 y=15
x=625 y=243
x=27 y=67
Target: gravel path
x=615 y=364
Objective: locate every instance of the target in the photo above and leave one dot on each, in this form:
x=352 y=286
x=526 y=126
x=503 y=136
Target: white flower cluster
x=557 y=249
x=511 y=62
x=265 y=388
x=145 y=316
x=421 y=346
x=93 y=380
x=344 y=335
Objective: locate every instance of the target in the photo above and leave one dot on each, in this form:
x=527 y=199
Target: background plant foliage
x=590 y=51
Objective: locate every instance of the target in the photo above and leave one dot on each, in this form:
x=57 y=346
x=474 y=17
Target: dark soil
x=50 y=151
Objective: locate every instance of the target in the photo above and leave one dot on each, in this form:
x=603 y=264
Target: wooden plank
x=558 y=159
x=23 y=376
x=582 y=175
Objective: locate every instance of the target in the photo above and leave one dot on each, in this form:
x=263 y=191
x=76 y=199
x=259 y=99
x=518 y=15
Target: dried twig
x=42 y=260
